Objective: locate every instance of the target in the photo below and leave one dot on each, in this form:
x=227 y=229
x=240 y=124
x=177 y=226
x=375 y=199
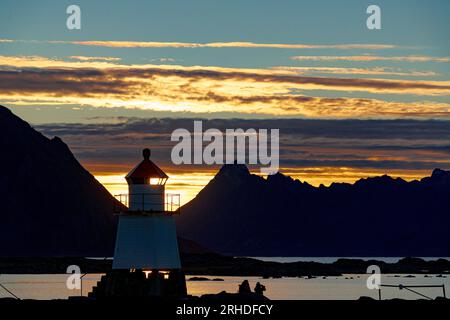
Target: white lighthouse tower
x=146 y=236
x=146 y=258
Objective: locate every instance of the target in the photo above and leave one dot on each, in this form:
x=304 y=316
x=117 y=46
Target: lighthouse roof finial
x=146 y=170
x=146 y=153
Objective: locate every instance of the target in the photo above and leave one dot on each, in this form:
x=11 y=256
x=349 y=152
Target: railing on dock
x=9 y=291
x=411 y=288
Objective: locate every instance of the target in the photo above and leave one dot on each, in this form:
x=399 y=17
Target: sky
x=349 y=102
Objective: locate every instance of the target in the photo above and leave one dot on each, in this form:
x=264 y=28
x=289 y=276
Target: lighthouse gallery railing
x=171 y=203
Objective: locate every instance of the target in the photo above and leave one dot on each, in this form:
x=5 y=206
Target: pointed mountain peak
x=6 y=114
x=12 y=124
x=58 y=145
x=279 y=177
x=45 y=187
x=234 y=170
x=439 y=173
x=4 y=110
x=379 y=181
x=57 y=141
x=8 y=117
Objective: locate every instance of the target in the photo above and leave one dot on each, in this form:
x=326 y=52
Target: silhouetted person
x=244 y=287
x=259 y=288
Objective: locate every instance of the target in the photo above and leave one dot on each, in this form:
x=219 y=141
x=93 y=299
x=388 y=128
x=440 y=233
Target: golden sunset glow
x=345 y=109
x=188 y=185
x=104 y=83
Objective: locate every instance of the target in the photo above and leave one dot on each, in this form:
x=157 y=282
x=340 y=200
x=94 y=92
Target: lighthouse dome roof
x=146 y=169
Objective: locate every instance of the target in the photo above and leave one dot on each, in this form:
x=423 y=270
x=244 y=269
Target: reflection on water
x=44 y=286
x=347 y=287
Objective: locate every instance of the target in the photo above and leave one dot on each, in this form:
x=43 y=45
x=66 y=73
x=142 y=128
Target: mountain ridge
x=51 y=205
x=280 y=216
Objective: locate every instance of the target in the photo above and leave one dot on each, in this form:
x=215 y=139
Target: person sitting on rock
x=244 y=287
x=259 y=288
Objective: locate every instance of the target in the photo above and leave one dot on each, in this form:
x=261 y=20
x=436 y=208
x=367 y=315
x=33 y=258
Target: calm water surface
x=334 y=259
x=347 y=287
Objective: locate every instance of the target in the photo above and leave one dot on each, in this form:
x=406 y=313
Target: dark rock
x=233 y=297
x=199 y=279
x=364 y=298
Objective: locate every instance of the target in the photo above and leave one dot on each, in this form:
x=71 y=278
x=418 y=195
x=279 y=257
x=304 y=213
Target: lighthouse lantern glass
x=157 y=181
x=154 y=181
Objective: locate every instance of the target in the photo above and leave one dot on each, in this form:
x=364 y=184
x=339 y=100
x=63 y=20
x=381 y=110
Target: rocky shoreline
x=218 y=265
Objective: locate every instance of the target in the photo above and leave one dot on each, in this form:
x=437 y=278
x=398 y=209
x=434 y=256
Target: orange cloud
x=379 y=71
x=85 y=58
x=38 y=80
x=231 y=44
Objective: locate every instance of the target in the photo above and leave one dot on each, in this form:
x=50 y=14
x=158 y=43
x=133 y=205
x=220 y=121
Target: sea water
x=334 y=259
x=346 y=287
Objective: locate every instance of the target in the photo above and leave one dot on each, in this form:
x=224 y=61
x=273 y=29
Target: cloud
x=316 y=151
x=369 y=58
x=198 y=89
x=17 y=62
x=85 y=58
x=379 y=71
x=390 y=132
x=164 y=60
x=231 y=44
x=333 y=146
x=127 y=44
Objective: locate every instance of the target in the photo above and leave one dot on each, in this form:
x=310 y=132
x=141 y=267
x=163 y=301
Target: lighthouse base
x=136 y=283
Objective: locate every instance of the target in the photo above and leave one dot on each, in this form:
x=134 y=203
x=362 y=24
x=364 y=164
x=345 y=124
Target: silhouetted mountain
x=243 y=214
x=50 y=206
